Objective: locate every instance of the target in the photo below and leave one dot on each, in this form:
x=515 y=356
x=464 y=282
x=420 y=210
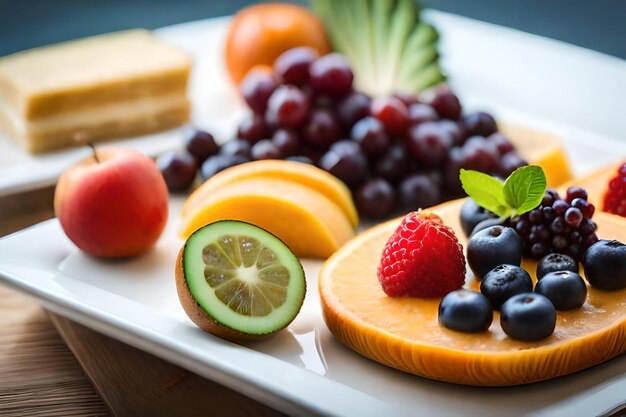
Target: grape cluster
x=397 y=152
x=558 y=225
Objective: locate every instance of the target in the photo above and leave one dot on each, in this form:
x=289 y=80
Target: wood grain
x=39 y=376
x=133 y=382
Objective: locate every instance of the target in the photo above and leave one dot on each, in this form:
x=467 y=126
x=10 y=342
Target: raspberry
x=422 y=258
x=615 y=198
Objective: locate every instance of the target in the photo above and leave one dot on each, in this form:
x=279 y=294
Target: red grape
x=353 y=108
x=370 y=134
x=237 y=147
x=420 y=113
x=375 y=198
x=419 y=191
x=480 y=123
x=287 y=141
x=292 y=66
x=252 y=128
x=288 y=106
x=446 y=103
x=256 y=88
x=322 y=129
x=393 y=164
x=345 y=161
x=429 y=144
x=331 y=75
x=392 y=113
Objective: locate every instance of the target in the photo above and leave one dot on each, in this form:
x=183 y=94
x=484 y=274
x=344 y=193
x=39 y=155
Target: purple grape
x=393 y=164
x=301 y=159
x=501 y=143
x=509 y=163
x=576 y=192
x=322 y=129
x=479 y=155
x=256 y=88
x=331 y=75
x=480 y=124
x=375 y=198
x=265 y=149
x=573 y=217
x=419 y=191
x=345 y=161
x=446 y=104
x=420 y=113
x=370 y=134
x=353 y=108
x=286 y=141
x=288 y=106
x=252 y=128
x=428 y=144
x=292 y=66
x=237 y=147
x=178 y=170
x=200 y=144
x=455 y=130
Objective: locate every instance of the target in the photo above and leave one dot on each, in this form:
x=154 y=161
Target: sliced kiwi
x=237 y=280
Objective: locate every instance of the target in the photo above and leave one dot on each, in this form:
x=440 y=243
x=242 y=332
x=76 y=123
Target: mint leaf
x=524 y=189
x=487 y=191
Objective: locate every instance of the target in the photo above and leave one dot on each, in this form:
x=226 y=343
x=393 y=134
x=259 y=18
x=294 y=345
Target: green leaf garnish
x=520 y=193
x=524 y=189
x=487 y=191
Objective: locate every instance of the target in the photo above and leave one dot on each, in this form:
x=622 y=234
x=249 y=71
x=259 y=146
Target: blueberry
x=487 y=223
x=503 y=282
x=465 y=311
x=556 y=262
x=491 y=247
x=472 y=214
x=566 y=289
x=528 y=317
x=605 y=265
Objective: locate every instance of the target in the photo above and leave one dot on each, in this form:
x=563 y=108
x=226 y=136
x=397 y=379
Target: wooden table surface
x=50 y=366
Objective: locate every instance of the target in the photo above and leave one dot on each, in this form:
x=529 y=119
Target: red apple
x=112 y=204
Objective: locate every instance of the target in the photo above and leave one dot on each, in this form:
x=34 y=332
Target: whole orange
x=259 y=33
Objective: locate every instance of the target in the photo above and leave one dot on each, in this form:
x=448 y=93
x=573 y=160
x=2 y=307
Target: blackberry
x=558 y=225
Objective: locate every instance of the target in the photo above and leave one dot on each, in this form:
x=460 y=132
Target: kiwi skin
x=200 y=317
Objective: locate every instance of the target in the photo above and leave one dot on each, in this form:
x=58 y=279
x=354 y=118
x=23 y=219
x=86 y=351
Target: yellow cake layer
x=118 y=120
x=91 y=72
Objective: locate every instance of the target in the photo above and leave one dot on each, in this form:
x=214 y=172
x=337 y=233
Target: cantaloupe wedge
x=306 y=220
x=308 y=175
x=403 y=333
x=540 y=148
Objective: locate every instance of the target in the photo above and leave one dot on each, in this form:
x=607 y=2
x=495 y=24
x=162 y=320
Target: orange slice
x=404 y=333
x=306 y=220
x=308 y=175
x=540 y=148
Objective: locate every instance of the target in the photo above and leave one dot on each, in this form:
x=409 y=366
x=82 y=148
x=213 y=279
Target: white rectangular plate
x=304 y=370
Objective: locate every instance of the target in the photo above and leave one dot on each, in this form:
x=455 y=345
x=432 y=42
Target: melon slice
x=306 y=220
x=304 y=174
x=404 y=333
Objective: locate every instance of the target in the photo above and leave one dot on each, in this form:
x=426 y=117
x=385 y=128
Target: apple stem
x=93 y=149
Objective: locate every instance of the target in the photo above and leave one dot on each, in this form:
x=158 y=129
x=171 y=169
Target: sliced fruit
x=404 y=333
x=540 y=148
x=238 y=281
x=389 y=47
x=306 y=220
x=304 y=174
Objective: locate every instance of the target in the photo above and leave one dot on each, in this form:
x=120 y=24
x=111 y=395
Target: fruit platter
x=325 y=217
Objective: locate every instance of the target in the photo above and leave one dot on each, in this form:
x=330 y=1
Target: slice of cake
x=103 y=87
